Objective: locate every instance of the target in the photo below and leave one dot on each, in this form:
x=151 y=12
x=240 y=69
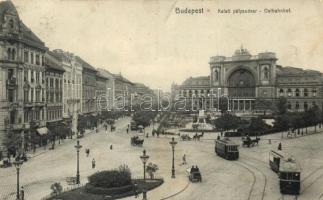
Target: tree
x=281 y=105
x=151 y=169
x=264 y=105
x=282 y=122
x=257 y=124
x=227 y=122
x=223 y=104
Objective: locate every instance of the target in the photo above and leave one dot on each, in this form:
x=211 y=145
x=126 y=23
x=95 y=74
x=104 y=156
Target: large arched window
x=241 y=84
x=281 y=92
x=297 y=92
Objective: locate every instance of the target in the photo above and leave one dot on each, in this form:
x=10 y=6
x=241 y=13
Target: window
x=10 y=95
x=32 y=95
x=305 y=105
x=289 y=106
x=11 y=24
x=281 y=92
x=37 y=60
x=26 y=56
x=37 y=77
x=51 y=83
x=32 y=58
x=25 y=75
x=26 y=116
x=8 y=53
x=314 y=92
x=56 y=83
x=32 y=76
x=12 y=117
x=289 y=92
x=297 y=105
x=25 y=95
x=297 y=92
x=38 y=96
x=305 y=92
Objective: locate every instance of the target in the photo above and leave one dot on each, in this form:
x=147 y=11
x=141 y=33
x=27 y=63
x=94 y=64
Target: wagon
x=194 y=174
x=136 y=141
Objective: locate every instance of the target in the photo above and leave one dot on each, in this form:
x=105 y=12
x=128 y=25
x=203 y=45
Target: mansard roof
x=26 y=35
x=51 y=62
x=294 y=71
x=201 y=80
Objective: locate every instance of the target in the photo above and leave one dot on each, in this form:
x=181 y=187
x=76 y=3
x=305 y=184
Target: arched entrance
x=242 y=90
x=242 y=84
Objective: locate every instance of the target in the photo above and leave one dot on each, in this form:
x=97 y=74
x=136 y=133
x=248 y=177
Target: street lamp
x=144 y=158
x=78 y=147
x=172 y=144
x=18 y=165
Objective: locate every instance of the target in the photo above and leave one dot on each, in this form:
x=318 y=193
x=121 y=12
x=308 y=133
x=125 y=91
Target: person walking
x=22 y=193
x=93 y=163
x=184 y=160
x=111 y=147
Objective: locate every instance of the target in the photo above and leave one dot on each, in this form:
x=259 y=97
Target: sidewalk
x=41 y=150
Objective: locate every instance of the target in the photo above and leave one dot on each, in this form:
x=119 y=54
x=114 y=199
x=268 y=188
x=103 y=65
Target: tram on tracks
x=288 y=170
x=227 y=149
x=289 y=176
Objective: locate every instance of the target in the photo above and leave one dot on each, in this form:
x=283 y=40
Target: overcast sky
x=147 y=42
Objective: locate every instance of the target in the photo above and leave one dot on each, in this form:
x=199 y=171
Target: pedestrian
x=127 y=130
x=22 y=193
x=111 y=147
x=135 y=190
x=93 y=163
x=279 y=146
x=184 y=159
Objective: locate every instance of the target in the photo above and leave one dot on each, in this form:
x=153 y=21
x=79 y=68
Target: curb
x=177 y=193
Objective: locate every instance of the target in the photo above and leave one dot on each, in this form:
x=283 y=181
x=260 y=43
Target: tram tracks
x=258 y=176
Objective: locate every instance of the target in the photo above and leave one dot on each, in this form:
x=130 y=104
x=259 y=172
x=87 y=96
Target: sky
x=147 y=42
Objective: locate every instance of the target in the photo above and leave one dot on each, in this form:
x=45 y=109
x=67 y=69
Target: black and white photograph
x=161 y=99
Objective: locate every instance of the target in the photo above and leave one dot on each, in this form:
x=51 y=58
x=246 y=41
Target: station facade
x=251 y=83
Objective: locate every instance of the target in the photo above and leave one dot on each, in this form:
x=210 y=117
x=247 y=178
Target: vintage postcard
x=161 y=99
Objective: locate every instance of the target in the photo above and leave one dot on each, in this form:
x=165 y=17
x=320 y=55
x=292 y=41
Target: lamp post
x=173 y=143
x=18 y=165
x=144 y=158
x=78 y=147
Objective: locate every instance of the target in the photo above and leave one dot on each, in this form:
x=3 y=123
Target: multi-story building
x=72 y=87
x=54 y=93
x=122 y=92
x=110 y=82
x=22 y=85
x=101 y=92
x=250 y=80
x=88 y=88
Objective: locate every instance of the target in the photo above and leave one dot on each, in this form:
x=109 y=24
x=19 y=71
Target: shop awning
x=42 y=131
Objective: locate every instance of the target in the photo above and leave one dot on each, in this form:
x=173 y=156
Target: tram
x=227 y=149
x=288 y=170
x=274 y=159
x=289 y=176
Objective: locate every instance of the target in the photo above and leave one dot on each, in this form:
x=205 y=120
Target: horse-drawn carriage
x=186 y=137
x=194 y=174
x=136 y=141
x=249 y=142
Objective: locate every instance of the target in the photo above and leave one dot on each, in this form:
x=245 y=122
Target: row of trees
x=284 y=120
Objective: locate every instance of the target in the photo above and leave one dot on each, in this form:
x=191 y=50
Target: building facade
x=54 y=93
x=72 y=87
x=88 y=88
x=250 y=82
x=22 y=85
